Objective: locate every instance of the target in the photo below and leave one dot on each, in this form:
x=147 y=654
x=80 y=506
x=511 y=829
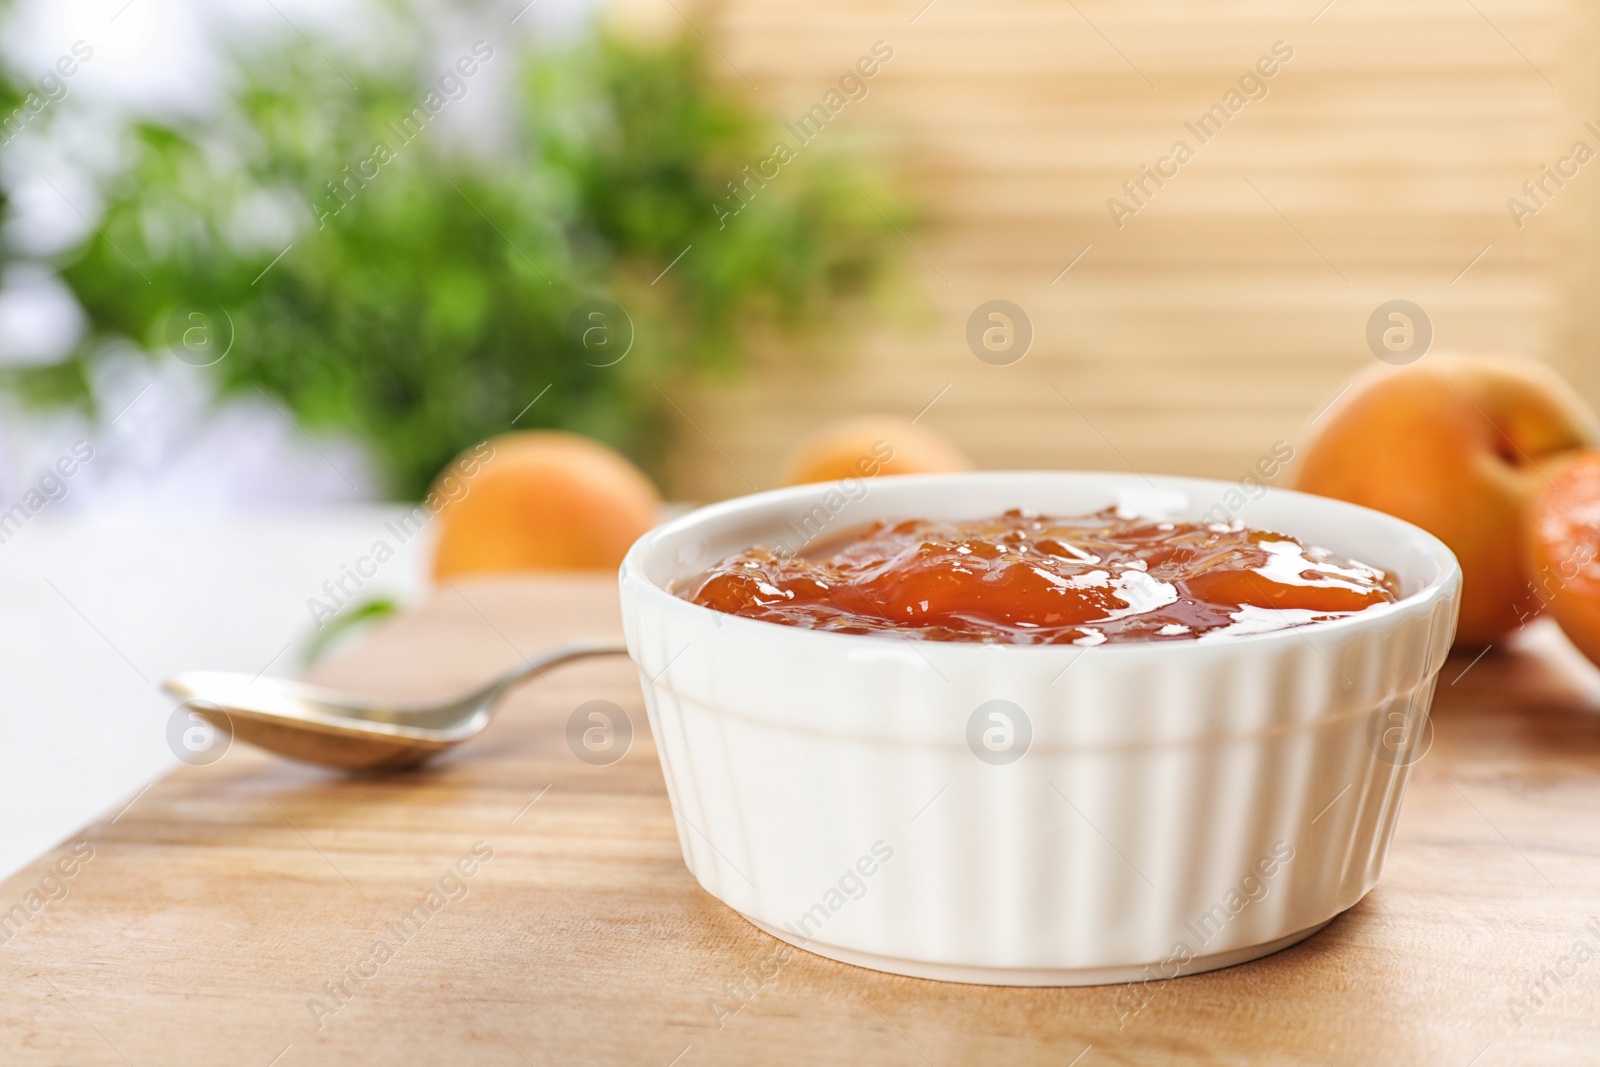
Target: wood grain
x=1227 y=311
x=217 y=905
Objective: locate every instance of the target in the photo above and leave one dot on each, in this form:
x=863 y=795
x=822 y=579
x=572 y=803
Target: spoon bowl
x=323 y=726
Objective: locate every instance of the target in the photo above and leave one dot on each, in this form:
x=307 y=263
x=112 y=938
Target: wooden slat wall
x=1208 y=327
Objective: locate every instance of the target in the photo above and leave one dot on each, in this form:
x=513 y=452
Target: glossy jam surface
x=1023 y=578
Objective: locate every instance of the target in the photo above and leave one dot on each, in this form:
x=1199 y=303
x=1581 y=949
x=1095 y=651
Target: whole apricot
x=868 y=446
x=1458 y=445
x=539 y=500
x=1563 y=533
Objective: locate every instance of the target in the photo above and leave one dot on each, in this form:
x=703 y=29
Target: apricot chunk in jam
x=1022 y=578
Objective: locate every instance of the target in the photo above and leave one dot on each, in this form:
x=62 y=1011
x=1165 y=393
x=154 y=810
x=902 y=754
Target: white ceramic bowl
x=1137 y=810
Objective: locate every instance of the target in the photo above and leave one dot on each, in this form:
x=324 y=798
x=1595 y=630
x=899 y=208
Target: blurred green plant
x=349 y=622
x=12 y=96
x=428 y=290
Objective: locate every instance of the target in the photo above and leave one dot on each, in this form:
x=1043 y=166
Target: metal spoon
x=315 y=725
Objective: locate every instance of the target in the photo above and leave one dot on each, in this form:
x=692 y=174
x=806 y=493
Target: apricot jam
x=1023 y=578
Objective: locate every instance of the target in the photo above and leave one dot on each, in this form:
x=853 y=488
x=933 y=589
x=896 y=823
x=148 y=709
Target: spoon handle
x=549 y=658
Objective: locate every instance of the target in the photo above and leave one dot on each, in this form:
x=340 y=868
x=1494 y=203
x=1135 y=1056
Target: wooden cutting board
x=219 y=908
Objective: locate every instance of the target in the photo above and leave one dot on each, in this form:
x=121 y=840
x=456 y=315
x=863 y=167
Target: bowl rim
x=631 y=574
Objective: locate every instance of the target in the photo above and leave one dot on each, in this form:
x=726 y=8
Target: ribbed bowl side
x=1095 y=849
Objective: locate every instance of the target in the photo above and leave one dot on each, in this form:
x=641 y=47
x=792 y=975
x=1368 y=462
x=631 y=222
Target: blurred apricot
x=539 y=500
x=869 y=446
x=1564 y=551
x=1458 y=445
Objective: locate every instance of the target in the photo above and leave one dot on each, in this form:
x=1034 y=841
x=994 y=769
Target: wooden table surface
x=217 y=911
